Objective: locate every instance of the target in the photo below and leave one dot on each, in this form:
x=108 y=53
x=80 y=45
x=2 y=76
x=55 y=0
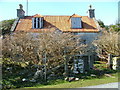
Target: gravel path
x=109 y=85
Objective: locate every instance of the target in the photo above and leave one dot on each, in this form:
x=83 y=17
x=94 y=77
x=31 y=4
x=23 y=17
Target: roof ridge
x=76 y=15
x=37 y=15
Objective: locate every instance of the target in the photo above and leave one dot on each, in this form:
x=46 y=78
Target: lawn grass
x=83 y=82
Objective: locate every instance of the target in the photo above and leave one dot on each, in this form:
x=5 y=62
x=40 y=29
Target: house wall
x=88 y=37
x=34 y=35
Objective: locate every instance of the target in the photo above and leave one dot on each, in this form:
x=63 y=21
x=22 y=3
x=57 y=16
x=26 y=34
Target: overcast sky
x=105 y=10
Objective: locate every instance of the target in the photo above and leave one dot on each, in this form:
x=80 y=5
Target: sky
x=105 y=10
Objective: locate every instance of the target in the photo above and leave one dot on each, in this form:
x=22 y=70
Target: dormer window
x=37 y=22
x=76 y=21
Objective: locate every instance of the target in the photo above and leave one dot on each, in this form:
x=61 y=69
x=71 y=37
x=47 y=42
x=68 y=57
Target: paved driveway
x=109 y=85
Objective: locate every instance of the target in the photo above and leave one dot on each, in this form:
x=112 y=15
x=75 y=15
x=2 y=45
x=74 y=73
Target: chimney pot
x=91 y=12
x=20 y=11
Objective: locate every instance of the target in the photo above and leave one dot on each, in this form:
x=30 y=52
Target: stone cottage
x=87 y=26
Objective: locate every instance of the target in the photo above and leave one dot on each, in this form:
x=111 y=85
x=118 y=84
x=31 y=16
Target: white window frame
x=76 y=22
x=36 y=20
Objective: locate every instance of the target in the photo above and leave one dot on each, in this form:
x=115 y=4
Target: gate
x=82 y=63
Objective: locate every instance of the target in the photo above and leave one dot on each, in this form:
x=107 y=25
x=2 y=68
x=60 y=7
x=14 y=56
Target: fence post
x=66 y=67
x=45 y=68
x=89 y=61
x=109 y=61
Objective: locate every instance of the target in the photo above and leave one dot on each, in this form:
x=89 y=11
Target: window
x=37 y=22
x=76 y=22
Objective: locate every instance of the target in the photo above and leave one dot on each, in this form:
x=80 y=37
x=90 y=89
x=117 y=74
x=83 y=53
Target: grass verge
x=83 y=82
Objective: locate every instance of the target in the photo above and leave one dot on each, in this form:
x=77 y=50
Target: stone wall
x=88 y=37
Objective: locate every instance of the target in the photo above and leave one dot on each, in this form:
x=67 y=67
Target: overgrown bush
x=24 y=52
x=6 y=25
x=108 y=43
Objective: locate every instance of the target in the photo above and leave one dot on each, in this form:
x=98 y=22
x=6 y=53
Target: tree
x=58 y=47
x=109 y=43
x=101 y=23
x=115 y=27
x=19 y=47
x=6 y=25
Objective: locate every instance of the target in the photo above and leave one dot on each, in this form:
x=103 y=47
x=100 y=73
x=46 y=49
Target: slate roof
x=62 y=23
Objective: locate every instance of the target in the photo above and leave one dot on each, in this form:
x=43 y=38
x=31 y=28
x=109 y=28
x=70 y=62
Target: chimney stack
x=91 y=12
x=20 y=11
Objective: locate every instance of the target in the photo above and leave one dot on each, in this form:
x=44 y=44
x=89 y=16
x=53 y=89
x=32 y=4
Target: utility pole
x=27 y=9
